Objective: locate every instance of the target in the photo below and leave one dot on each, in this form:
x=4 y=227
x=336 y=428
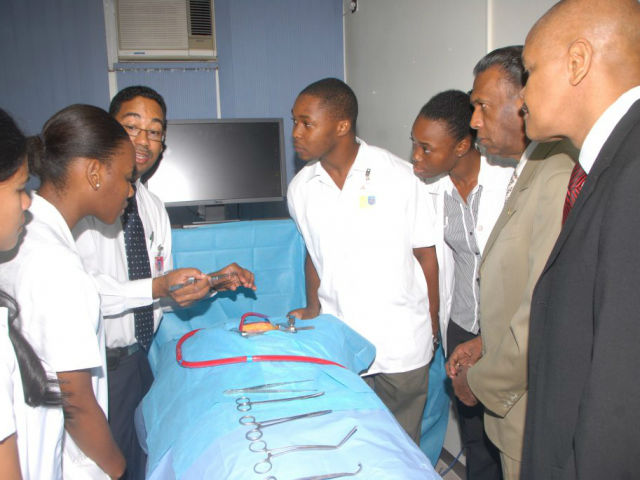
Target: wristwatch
x=436 y=340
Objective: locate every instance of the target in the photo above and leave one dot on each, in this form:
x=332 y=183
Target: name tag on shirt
x=367 y=201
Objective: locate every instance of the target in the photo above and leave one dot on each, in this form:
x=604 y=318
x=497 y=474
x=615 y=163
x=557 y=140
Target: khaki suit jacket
x=513 y=259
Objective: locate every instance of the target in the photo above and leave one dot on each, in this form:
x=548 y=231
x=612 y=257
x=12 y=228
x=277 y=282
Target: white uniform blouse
x=103 y=254
x=494 y=179
x=361 y=241
x=59 y=313
x=38 y=430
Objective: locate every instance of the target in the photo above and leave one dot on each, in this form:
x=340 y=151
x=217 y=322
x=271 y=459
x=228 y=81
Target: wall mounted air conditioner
x=165 y=30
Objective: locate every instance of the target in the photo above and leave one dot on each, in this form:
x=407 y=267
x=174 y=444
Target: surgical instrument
x=192 y=280
x=250 y=329
x=268 y=388
x=330 y=476
x=265 y=465
x=327 y=476
x=256 y=432
x=243 y=404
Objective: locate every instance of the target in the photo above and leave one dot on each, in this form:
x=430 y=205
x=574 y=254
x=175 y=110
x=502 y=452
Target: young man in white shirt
x=368 y=230
x=142 y=113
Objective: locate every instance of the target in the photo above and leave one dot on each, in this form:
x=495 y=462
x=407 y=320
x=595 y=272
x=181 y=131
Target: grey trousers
x=405 y=394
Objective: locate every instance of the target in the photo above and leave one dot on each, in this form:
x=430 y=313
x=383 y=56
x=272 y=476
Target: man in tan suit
x=492 y=368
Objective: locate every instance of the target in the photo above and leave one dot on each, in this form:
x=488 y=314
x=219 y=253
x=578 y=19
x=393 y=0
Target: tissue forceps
x=268 y=388
x=329 y=476
x=265 y=465
x=243 y=404
x=256 y=432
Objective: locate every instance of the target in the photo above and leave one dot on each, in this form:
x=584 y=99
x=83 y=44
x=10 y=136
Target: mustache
x=143 y=150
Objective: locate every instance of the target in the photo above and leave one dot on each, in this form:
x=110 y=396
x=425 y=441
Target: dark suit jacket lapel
x=524 y=182
x=601 y=164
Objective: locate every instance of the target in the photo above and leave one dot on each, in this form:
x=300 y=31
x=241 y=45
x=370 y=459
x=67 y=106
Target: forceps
x=268 y=388
x=192 y=280
x=243 y=404
x=256 y=432
x=265 y=465
x=328 y=476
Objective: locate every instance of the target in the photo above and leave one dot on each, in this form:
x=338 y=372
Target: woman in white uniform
x=24 y=385
x=86 y=164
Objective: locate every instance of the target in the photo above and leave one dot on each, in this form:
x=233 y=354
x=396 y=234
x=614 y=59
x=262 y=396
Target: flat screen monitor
x=209 y=162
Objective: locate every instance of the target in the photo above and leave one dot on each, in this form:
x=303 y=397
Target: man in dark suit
x=583 y=415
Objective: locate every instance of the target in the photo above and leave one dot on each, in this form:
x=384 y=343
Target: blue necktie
x=138 y=266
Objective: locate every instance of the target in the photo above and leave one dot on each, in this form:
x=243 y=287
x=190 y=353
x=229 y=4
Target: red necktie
x=578 y=176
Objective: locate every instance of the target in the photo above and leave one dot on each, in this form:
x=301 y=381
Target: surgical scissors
x=243 y=404
x=268 y=388
x=256 y=432
x=265 y=465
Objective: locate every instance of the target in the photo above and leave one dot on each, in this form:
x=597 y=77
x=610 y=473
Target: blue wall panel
x=269 y=50
x=52 y=54
x=189 y=89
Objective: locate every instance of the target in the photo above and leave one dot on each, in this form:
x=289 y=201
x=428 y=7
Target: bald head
x=605 y=23
x=591 y=48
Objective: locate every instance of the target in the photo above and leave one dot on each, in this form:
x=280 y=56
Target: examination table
x=191 y=428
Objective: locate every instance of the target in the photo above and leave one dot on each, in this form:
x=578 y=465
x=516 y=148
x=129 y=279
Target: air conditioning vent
x=200 y=19
x=166 y=30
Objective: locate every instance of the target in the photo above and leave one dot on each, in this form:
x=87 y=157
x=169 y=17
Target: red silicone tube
x=243 y=359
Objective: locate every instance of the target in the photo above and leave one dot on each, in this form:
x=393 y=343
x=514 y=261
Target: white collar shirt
x=524 y=158
x=103 y=254
x=59 y=312
x=361 y=240
x=603 y=127
x=494 y=177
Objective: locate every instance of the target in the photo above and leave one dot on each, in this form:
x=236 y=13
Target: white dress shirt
x=59 y=314
x=103 y=253
x=361 y=240
x=603 y=127
x=494 y=179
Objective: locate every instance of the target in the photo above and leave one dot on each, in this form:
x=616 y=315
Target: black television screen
x=210 y=162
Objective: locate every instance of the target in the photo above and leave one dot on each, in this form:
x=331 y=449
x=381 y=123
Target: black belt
x=117 y=354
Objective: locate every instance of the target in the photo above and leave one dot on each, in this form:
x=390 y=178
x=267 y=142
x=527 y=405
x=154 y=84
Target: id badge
x=159 y=262
x=367 y=196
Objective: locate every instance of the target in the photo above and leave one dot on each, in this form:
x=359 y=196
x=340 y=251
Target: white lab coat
x=494 y=179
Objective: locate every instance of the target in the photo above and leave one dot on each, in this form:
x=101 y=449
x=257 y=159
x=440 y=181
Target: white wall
x=399 y=53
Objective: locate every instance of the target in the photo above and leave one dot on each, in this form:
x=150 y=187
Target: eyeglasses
x=152 y=134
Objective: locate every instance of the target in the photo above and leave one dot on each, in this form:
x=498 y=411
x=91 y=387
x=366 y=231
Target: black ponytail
x=38 y=388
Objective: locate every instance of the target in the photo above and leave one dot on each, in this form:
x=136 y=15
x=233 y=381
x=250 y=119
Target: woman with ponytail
x=86 y=164
x=23 y=381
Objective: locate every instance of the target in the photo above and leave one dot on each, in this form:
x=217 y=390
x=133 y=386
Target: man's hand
x=195 y=285
x=461 y=388
x=305 y=313
x=465 y=354
x=234 y=277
